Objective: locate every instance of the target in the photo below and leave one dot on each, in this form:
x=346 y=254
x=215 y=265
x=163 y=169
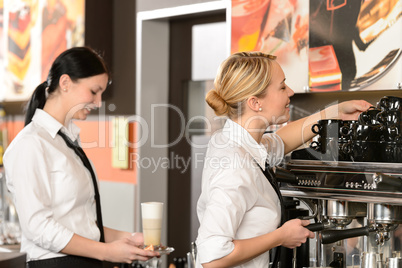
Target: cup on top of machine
x=390 y=103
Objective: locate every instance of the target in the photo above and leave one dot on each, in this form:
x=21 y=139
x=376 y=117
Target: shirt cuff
x=60 y=241
x=213 y=249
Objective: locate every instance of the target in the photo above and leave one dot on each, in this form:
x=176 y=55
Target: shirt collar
x=241 y=136
x=52 y=126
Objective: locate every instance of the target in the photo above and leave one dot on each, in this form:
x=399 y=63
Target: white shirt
x=237 y=201
x=52 y=190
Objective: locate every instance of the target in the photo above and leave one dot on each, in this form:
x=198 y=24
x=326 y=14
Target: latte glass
x=152 y=222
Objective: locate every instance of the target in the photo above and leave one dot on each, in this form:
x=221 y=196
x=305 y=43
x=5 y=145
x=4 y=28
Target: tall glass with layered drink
x=152 y=223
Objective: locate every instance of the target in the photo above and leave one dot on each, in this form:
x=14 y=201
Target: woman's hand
x=127 y=250
x=298 y=132
x=137 y=239
x=350 y=110
x=294 y=233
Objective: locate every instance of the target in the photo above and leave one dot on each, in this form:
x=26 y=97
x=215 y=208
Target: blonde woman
x=239 y=210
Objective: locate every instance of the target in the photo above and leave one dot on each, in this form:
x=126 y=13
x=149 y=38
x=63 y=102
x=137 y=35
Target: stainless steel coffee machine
x=350 y=178
x=355 y=210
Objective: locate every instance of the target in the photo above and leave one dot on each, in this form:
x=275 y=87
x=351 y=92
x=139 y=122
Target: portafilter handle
x=315 y=227
x=384 y=182
x=318 y=227
x=331 y=236
x=284 y=175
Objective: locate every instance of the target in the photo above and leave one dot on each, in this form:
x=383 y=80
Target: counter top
x=12 y=260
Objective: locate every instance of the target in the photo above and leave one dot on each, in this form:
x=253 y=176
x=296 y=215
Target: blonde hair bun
x=217 y=103
x=240 y=76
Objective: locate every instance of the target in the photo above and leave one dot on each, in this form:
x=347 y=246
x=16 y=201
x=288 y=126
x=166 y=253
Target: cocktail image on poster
x=21 y=18
x=355 y=44
x=32 y=34
x=277 y=27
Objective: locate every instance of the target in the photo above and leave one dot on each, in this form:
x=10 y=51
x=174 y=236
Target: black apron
x=268 y=173
x=66 y=262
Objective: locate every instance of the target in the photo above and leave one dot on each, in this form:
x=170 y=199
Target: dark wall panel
x=179 y=184
x=110 y=28
x=124 y=56
x=99 y=31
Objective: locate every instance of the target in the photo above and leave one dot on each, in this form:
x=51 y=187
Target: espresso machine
x=350 y=181
x=356 y=210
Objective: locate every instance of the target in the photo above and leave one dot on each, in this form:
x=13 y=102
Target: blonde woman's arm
x=292 y=234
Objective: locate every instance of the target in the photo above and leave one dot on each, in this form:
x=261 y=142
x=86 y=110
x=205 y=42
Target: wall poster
x=325 y=45
x=32 y=34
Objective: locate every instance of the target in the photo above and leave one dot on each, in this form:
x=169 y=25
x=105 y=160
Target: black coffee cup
x=362 y=132
x=373 y=151
x=320 y=145
x=317 y=146
x=390 y=103
x=364 y=151
x=389 y=117
x=391 y=152
x=327 y=128
x=369 y=117
x=347 y=128
x=329 y=149
x=391 y=133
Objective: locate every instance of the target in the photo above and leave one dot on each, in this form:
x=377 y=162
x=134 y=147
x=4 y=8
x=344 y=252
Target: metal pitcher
x=395 y=262
x=371 y=260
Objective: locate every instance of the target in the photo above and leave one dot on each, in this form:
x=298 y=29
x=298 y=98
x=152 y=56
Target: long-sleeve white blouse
x=51 y=188
x=237 y=201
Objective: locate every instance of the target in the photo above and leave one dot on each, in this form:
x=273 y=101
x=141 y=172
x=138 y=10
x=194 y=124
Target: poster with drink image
x=33 y=33
x=325 y=45
x=362 y=35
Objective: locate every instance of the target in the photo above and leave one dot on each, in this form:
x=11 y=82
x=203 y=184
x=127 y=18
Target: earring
x=64 y=89
x=260 y=109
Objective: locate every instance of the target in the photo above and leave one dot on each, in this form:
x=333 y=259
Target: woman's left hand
x=350 y=110
x=127 y=251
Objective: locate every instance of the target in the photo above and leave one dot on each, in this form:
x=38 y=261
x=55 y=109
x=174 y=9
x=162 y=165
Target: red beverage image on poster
x=19 y=40
x=54 y=33
x=247 y=16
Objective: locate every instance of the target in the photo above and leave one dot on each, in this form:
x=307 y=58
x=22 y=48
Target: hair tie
x=46 y=89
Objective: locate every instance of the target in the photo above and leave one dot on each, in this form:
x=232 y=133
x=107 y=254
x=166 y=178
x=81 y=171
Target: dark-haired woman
x=54 y=187
x=239 y=209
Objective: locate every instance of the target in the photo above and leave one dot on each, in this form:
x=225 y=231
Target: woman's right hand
x=295 y=233
x=126 y=251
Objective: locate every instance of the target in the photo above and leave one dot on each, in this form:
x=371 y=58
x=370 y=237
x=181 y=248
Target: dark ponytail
x=37 y=100
x=77 y=63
